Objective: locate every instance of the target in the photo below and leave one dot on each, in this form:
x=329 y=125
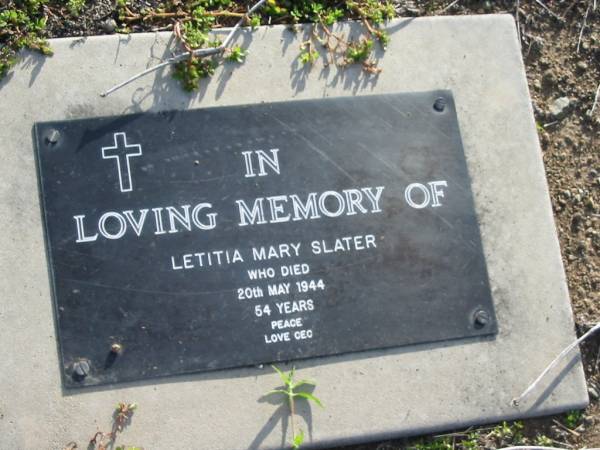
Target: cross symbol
x=121 y=152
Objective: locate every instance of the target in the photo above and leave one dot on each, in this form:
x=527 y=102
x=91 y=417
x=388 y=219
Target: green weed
x=544 y=441
x=509 y=432
x=308 y=55
x=443 y=443
x=190 y=72
x=22 y=25
x=237 y=54
x=359 y=51
x=290 y=394
x=75 y=7
x=103 y=440
x=572 y=419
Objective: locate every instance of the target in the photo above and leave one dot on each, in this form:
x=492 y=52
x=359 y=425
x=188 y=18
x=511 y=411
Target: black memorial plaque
x=224 y=237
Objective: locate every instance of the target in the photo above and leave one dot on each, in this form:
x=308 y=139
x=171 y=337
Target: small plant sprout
x=193 y=22
x=123 y=413
x=75 y=7
x=290 y=393
x=22 y=25
x=105 y=440
x=542 y=440
x=511 y=432
x=572 y=419
x=236 y=54
x=359 y=51
x=308 y=55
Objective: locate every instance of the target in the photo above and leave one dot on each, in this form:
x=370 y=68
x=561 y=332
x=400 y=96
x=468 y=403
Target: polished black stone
x=131 y=305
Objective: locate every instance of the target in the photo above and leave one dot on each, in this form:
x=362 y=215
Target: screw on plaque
x=440 y=104
x=81 y=369
x=115 y=351
x=116 y=348
x=52 y=137
x=481 y=318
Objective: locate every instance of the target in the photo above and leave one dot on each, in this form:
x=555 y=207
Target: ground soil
x=560 y=41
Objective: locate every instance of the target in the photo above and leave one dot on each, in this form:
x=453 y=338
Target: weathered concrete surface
x=368 y=396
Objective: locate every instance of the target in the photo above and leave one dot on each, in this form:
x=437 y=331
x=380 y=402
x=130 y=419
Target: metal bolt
x=439 y=104
x=116 y=348
x=52 y=137
x=81 y=369
x=481 y=318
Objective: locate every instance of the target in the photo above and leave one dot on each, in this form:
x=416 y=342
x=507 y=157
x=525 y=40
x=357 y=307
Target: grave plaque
x=224 y=237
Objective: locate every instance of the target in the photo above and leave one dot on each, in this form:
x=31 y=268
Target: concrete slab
x=368 y=396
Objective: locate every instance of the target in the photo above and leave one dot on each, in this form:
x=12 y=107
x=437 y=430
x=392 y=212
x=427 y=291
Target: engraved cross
x=121 y=151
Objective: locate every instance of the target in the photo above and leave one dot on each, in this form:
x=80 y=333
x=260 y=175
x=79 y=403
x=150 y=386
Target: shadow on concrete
x=265 y=370
x=555 y=380
x=120 y=421
x=166 y=93
x=4 y=81
x=36 y=65
x=29 y=61
x=353 y=78
x=122 y=39
x=282 y=414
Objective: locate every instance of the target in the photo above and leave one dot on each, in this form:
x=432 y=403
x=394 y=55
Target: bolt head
x=116 y=348
x=52 y=137
x=481 y=318
x=81 y=369
x=440 y=104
